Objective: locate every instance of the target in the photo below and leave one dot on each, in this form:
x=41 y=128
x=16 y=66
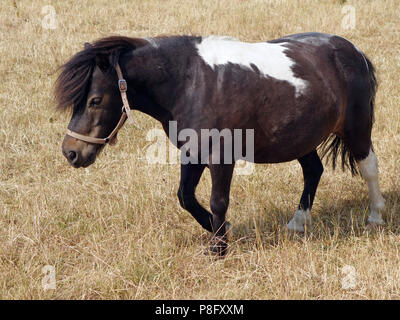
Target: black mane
x=73 y=82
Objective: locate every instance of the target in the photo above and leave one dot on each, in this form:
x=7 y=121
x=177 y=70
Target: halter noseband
x=126 y=114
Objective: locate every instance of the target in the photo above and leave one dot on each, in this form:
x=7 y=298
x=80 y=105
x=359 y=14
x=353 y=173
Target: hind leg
x=312 y=171
x=369 y=171
x=358 y=140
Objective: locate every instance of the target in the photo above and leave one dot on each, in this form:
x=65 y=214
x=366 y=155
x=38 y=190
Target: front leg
x=221 y=177
x=312 y=171
x=190 y=177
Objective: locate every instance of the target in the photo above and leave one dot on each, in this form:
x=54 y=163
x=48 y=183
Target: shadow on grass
x=334 y=219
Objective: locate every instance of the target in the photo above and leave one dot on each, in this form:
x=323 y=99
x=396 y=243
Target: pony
x=297 y=94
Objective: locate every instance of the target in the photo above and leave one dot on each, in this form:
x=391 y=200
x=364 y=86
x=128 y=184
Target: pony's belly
x=285 y=150
x=273 y=158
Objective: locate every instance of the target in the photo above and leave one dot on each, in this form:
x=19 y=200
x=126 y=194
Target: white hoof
x=300 y=219
x=375 y=219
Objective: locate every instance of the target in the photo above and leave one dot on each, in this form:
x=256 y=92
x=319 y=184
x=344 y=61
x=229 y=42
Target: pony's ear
x=103 y=62
x=87 y=45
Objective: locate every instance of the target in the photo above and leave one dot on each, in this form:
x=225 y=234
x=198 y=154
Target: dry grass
x=111 y=233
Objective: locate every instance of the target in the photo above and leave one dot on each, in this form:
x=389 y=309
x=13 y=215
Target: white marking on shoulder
x=269 y=58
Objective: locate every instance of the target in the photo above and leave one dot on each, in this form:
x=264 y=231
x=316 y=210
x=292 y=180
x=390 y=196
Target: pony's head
x=88 y=84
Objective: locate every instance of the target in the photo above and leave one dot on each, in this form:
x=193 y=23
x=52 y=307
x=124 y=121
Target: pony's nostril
x=72 y=156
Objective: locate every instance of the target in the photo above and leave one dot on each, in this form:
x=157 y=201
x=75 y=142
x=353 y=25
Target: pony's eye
x=95 y=101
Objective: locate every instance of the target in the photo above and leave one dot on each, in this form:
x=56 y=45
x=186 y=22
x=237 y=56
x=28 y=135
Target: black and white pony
x=296 y=93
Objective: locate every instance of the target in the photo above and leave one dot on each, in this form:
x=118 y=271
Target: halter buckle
x=122 y=85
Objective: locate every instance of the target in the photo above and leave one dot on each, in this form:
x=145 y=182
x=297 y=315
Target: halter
x=126 y=114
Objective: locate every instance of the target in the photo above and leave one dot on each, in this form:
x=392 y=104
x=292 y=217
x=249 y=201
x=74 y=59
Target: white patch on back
x=269 y=58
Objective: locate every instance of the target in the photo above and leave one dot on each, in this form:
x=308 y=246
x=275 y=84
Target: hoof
x=218 y=247
x=372 y=226
x=300 y=220
x=296 y=228
x=375 y=221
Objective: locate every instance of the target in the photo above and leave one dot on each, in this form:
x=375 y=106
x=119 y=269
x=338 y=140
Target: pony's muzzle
x=71 y=155
x=79 y=153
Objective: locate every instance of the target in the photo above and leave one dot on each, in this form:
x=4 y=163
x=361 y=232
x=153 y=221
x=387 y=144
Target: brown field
x=110 y=232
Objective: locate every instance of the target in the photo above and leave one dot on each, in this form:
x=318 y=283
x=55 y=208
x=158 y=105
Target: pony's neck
x=155 y=73
x=142 y=102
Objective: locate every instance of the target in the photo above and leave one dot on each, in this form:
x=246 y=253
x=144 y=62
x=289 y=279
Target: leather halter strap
x=126 y=114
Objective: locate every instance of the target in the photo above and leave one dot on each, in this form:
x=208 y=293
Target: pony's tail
x=334 y=145
x=373 y=83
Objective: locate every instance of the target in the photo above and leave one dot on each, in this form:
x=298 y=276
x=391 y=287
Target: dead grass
x=111 y=233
